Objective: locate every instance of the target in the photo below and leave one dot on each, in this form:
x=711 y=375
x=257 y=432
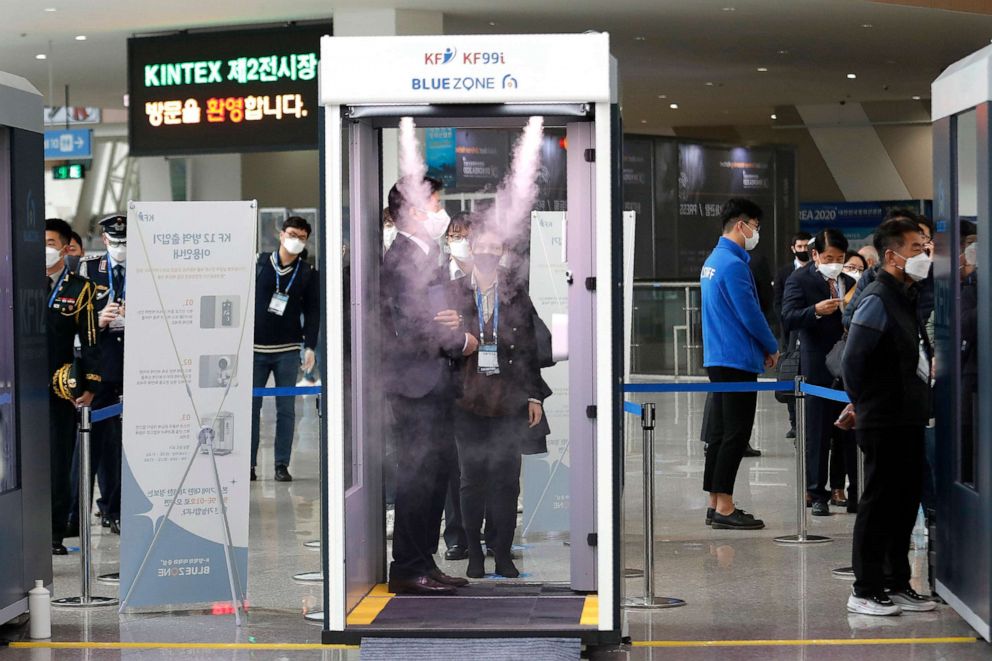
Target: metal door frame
x=602 y=433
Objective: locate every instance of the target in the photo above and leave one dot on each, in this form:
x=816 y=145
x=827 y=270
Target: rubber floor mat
x=499 y=612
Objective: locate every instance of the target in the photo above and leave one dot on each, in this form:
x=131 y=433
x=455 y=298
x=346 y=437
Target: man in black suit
x=811 y=305
x=422 y=338
x=799 y=253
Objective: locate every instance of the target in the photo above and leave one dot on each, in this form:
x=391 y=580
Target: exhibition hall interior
x=436 y=329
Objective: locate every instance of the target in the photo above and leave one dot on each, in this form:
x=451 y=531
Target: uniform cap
x=115 y=226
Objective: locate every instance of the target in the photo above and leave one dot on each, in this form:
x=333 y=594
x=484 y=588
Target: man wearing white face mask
x=886 y=368
x=737 y=346
x=423 y=336
x=287 y=318
x=811 y=305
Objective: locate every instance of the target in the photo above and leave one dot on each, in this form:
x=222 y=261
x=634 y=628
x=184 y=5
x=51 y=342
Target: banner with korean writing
x=228 y=91
x=546 y=476
x=189 y=318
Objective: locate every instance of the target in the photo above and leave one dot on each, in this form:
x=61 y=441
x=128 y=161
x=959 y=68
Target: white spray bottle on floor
x=40 y=607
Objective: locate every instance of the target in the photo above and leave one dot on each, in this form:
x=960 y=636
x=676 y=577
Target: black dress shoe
x=282 y=474
x=456 y=552
x=736 y=520
x=59 y=549
x=709 y=515
x=115 y=526
x=422 y=585
x=105 y=521
x=791 y=433
x=821 y=508
x=253 y=476
x=440 y=577
x=751 y=452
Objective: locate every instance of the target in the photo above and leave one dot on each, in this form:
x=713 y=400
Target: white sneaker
x=873 y=605
x=390 y=522
x=911 y=600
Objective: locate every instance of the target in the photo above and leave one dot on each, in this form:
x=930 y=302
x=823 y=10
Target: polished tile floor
x=739 y=586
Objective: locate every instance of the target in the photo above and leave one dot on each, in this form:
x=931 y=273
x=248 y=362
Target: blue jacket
x=735 y=332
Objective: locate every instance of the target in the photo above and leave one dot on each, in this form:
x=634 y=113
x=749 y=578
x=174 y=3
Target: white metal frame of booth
x=477 y=76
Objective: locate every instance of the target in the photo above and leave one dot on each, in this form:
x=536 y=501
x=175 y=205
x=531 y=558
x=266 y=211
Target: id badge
x=488 y=359
x=277 y=305
x=117 y=323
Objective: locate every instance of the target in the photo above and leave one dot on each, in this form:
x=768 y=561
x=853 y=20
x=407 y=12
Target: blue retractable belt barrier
x=746 y=386
x=825 y=393
x=284 y=392
x=106 y=412
x=115 y=409
x=632 y=407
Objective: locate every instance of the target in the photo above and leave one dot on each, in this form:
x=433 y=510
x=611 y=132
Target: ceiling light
x=41 y=56
x=709 y=84
x=852 y=76
x=662 y=96
x=492 y=24
x=730 y=9
x=867 y=25
x=50 y=9
x=639 y=38
x=916 y=98
x=774 y=116
x=783 y=52
x=644 y=121
x=673 y=106
x=80 y=37
x=762 y=69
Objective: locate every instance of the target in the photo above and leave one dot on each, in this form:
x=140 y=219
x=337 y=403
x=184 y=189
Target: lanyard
x=482 y=316
x=110 y=280
x=275 y=266
x=58 y=284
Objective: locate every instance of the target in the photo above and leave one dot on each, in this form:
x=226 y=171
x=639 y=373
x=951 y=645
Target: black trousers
x=887 y=511
x=454 y=529
x=489 y=458
x=821 y=436
x=424 y=447
x=105 y=457
x=728 y=424
x=62 y=441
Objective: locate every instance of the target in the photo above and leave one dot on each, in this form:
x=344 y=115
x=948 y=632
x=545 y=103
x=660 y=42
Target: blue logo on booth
x=449 y=54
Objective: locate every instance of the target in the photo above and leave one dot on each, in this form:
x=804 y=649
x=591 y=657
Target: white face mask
x=389 y=235
x=459 y=249
x=830 y=271
x=971 y=254
x=437 y=224
x=853 y=275
x=52 y=256
x=751 y=242
x=917 y=267
x=293 y=245
x=118 y=253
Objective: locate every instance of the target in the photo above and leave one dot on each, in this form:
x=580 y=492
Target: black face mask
x=486 y=263
x=802 y=256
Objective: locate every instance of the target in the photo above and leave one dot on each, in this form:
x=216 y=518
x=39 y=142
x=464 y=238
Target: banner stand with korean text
x=187 y=407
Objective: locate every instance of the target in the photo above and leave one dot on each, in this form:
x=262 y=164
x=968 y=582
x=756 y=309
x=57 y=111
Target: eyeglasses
x=295 y=235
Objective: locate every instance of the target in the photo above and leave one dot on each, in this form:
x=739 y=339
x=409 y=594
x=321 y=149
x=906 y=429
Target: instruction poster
x=546 y=479
x=189 y=320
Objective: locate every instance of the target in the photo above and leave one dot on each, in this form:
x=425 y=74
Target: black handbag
x=788 y=370
x=835 y=358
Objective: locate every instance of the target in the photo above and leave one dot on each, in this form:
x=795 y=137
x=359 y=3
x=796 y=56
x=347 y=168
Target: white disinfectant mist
x=40 y=608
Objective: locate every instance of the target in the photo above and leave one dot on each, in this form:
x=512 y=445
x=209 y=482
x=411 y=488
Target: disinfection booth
x=25 y=519
x=962 y=192
x=367 y=85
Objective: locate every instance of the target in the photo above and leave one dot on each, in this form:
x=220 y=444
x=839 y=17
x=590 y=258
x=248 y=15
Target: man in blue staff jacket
x=738 y=345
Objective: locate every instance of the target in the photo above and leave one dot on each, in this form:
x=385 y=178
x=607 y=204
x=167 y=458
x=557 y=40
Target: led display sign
x=226 y=91
x=71 y=171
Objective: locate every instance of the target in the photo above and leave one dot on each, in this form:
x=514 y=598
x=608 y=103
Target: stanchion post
x=801 y=536
x=85 y=600
x=649 y=600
